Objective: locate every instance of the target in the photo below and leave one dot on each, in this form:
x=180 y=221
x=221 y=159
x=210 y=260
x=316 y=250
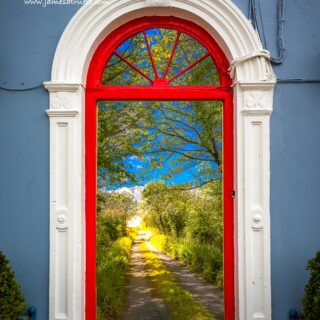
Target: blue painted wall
x=29 y=36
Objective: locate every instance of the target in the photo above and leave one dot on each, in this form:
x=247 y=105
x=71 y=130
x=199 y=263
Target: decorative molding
x=62 y=113
x=256 y=100
x=219 y=17
x=61 y=100
x=255 y=112
x=252 y=55
x=257 y=219
x=62 y=222
x=61 y=86
x=253 y=86
x=158 y=3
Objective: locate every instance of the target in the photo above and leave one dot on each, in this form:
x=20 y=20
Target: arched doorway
x=252 y=85
x=159 y=82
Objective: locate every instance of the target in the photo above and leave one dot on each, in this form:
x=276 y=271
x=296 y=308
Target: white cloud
x=131 y=158
x=136 y=191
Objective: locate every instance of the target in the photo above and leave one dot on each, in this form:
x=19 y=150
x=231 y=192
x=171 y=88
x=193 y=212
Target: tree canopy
x=177 y=135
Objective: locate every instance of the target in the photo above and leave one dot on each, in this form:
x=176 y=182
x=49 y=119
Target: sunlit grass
x=200 y=258
x=181 y=303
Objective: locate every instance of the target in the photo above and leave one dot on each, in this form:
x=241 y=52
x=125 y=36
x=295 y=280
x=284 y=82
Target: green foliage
x=204 y=259
x=165 y=207
x=191 y=223
x=205 y=221
x=311 y=299
x=113 y=210
x=112 y=265
x=11 y=297
x=160 y=241
x=186 y=135
x=177 y=135
x=113 y=247
x=120 y=131
x=190 y=213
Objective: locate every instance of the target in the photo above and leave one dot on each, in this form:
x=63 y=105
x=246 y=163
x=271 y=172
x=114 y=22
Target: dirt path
x=207 y=294
x=141 y=302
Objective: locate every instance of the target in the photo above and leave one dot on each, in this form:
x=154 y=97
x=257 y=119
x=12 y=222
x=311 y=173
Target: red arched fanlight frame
x=95 y=91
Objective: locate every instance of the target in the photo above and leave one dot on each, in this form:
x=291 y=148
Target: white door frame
x=253 y=83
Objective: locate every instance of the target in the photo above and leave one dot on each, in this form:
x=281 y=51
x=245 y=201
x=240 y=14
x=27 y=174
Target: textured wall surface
x=29 y=36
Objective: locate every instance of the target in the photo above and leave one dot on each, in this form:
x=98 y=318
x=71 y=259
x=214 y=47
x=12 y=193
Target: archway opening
x=119 y=74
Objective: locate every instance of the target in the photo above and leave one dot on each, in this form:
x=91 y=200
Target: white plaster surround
x=253 y=83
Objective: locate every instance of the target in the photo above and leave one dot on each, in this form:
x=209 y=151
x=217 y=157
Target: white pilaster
x=254 y=101
x=66 y=207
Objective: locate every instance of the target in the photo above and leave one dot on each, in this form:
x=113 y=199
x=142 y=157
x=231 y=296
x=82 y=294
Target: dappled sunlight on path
x=141 y=302
x=207 y=294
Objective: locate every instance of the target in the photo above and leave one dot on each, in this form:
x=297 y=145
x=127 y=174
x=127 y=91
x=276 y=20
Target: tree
x=194 y=214
x=185 y=134
x=120 y=131
x=205 y=222
x=311 y=299
x=155 y=204
x=11 y=298
x=180 y=136
x=113 y=210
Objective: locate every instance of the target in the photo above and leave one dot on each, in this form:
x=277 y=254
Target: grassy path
x=209 y=295
x=142 y=302
x=181 y=303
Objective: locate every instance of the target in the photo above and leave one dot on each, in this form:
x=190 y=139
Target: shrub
x=112 y=266
x=11 y=296
x=311 y=299
x=199 y=257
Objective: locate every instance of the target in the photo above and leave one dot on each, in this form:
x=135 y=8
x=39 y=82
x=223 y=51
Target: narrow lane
x=205 y=293
x=141 y=302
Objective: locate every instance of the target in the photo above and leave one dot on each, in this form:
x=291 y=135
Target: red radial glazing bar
x=132 y=65
x=188 y=68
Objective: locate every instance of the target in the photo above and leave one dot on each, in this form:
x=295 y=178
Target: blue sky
x=138 y=166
